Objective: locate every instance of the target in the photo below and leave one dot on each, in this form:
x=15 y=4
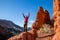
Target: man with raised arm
x=26 y=21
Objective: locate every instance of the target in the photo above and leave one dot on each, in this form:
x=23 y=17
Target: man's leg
x=25 y=27
x=25 y=30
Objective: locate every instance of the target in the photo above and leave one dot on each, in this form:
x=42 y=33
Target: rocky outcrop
x=30 y=35
x=42 y=17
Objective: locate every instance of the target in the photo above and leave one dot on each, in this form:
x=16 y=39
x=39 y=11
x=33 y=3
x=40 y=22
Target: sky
x=12 y=10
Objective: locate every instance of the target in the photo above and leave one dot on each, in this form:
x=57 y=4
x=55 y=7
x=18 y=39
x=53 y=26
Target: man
x=26 y=21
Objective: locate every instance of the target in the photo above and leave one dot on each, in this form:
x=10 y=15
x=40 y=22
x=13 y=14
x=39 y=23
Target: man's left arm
x=28 y=14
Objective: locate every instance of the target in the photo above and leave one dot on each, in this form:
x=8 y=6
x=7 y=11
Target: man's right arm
x=23 y=15
x=28 y=14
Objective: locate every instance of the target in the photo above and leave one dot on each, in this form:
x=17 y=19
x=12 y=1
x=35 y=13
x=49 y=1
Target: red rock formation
x=47 y=17
x=41 y=18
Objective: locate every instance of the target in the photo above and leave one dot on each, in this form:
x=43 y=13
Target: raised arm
x=28 y=14
x=23 y=15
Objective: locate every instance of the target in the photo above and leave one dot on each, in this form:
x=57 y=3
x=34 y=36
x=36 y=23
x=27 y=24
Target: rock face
x=56 y=18
x=57 y=35
x=57 y=29
x=42 y=17
x=56 y=12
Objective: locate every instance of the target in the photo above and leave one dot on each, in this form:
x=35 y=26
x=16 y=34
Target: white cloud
x=31 y=21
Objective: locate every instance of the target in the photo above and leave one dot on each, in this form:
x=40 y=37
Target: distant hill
x=8 y=28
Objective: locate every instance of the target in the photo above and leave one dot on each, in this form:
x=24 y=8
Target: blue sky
x=13 y=9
